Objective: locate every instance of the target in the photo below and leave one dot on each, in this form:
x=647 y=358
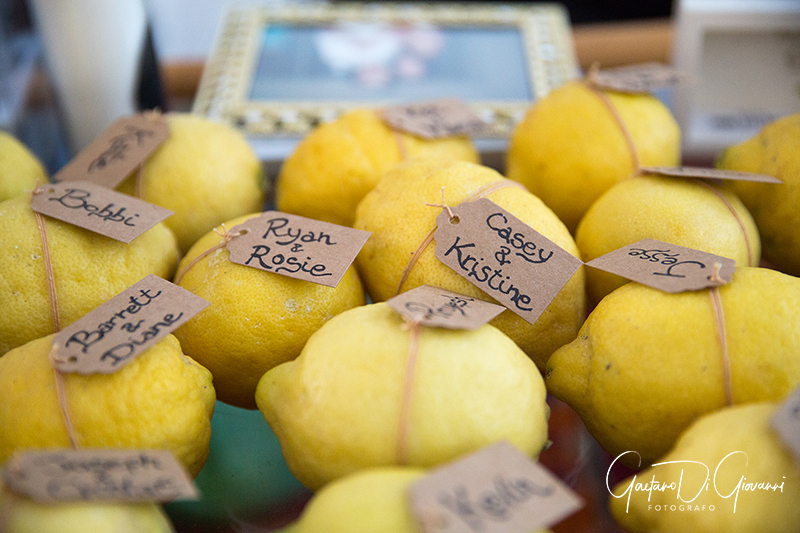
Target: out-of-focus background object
x=744 y=58
x=277 y=72
x=27 y=107
x=93 y=50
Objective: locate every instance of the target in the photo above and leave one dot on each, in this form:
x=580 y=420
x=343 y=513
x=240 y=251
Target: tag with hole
x=99 y=475
x=496 y=490
x=667 y=267
x=435 y=307
x=786 y=423
x=435 y=119
x=709 y=173
x=504 y=257
x=97 y=209
x=112 y=335
x=297 y=247
x=643 y=78
x=116 y=152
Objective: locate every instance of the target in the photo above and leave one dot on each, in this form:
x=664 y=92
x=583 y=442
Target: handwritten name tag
x=98 y=209
x=112 y=335
x=297 y=247
x=643 y=78
x=496 y=490
x=439 y=118
x=667 y=267
x=116 y=152
x=787 y=423
x=435 y=307
x=99 y=475
x=504 y=257
x=710 y=173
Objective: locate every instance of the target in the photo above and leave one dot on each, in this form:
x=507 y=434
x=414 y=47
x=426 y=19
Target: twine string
x=226 y=238
x=152 y=116
x=591 y=83
x=48 y=269
x=61 y=392
x=138 y=185
x=736 y=216
x=719 y=314
x=401 y=144
x=408 y=385
x=443 y=206
x=484 y=191
x=52 y=295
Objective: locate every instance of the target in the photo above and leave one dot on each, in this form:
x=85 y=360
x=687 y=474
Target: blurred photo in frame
x=278 y=72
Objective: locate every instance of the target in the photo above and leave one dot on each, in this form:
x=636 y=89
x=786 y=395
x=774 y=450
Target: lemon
x=775 y=208
x=333 y=168
x=339 y=407
x=372 y=501
x=20 y=170
x=739 y=448
x=647 y=363
x=160 y=400
x=685 y=212
x=19 y=514
x=404 y=192
x=205 y=172
x=256 y=319
x=88 y=269
x=569 y=149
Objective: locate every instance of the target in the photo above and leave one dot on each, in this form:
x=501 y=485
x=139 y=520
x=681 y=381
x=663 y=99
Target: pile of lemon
x=361 y=404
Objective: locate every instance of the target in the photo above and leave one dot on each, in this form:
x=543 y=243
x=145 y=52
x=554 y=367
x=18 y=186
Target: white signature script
x=663 y=486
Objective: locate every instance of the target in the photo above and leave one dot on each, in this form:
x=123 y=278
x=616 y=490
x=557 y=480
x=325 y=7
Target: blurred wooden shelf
x=623 y=43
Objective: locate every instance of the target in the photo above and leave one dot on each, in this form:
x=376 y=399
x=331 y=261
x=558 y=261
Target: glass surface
x=368 y=62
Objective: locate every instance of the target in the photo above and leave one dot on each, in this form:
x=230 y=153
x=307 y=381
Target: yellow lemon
x=256 y=319
x=338 y=163
x=399 y=219
x=734 y=475
x=775 y=208
x=647 y=363
x=685 y=212
x=371 y=501
x=358 y=396
x=205 y=172
x=160 y=400
x=88 y=270
x=569 y=148
x=19 y=514
x=20 y=170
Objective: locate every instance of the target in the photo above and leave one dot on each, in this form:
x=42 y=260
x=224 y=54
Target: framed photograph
x=276 y=73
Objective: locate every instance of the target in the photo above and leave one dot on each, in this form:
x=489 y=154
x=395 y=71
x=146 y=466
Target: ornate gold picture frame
x=277 y=73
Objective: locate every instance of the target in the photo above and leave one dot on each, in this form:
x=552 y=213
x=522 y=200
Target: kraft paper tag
x=643 y=78
x=97 y=209
x=110 y=336
x=667 y=267
x=502 y=256
x=298 y=247
x=435 y=307
x=787 y=423
x=438 y=118
x=99 y=475
x=112 y=156
x=710 y=173
x=496 y=490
